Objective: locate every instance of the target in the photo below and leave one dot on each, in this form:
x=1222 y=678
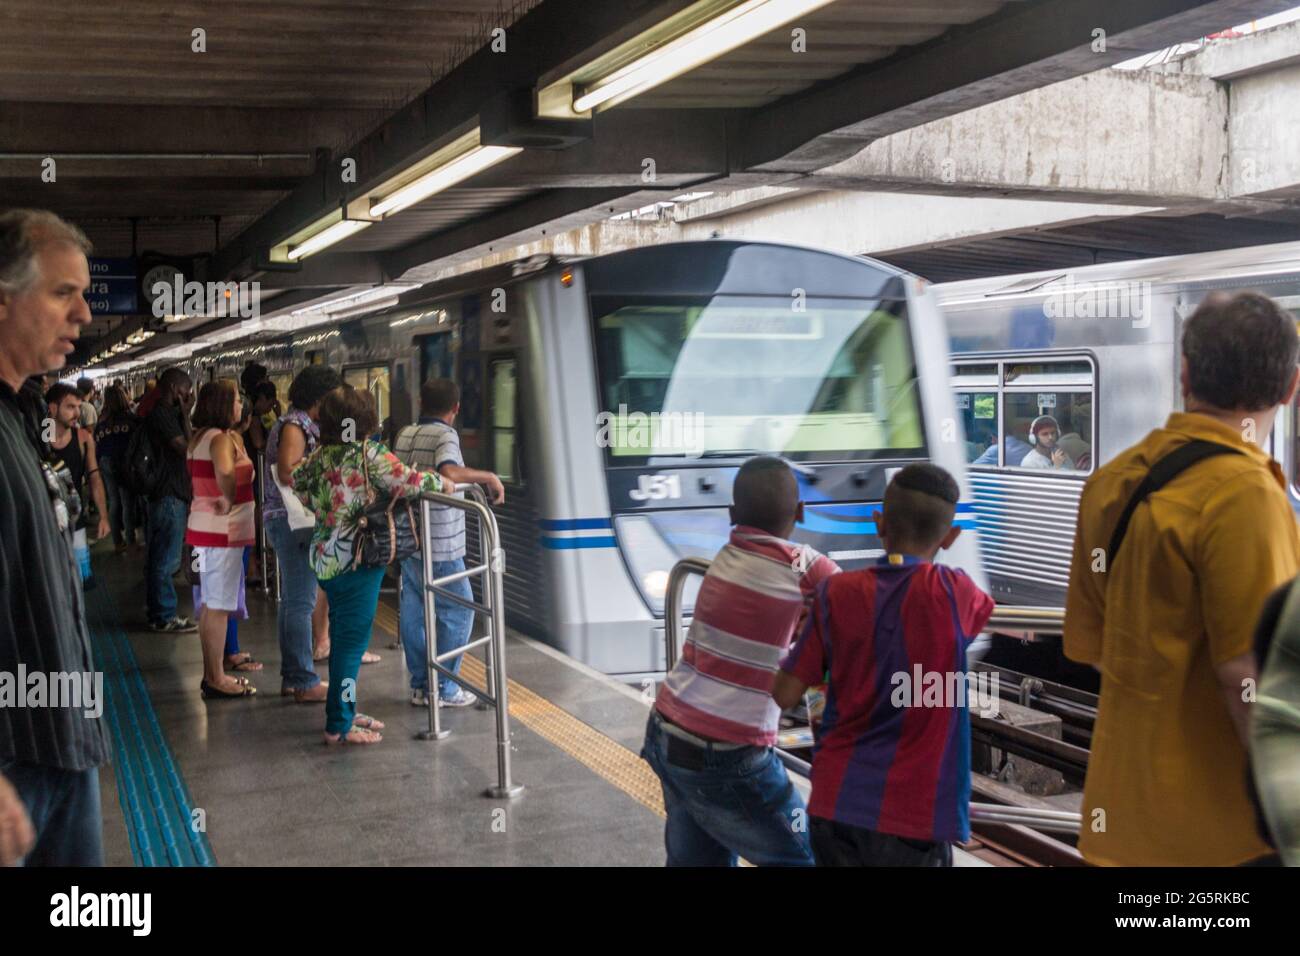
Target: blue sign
x=113 y=287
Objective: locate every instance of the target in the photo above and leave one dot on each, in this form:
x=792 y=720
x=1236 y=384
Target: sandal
x=243 y=662
x=353 y=736
x=370 y=658
x=367 y=722
x=210 y=692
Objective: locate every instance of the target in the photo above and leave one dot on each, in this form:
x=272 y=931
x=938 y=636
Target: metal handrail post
x=673 y=606
x=493 y=571
x=431 y=694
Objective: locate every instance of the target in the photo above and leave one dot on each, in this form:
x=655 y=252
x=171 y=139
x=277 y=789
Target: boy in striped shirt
x=713 y=726
x=891 y=768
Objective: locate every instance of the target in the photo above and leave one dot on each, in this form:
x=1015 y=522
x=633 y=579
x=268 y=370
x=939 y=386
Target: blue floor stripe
x=155 y=801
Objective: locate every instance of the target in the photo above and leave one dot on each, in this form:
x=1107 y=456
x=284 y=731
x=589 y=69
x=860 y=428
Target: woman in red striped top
x=220 y=525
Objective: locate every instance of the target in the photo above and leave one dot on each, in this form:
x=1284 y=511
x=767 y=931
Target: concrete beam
x=1230 y=59
x=1023 y=48
x=1117 y=136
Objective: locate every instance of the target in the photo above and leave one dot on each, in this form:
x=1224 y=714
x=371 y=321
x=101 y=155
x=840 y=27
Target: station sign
x=114 y=287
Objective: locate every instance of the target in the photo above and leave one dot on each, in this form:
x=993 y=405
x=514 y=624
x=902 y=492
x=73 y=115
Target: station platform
x=269 y=792
x=249 y=782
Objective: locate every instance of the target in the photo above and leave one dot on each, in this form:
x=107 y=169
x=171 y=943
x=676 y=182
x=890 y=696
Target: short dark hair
x=85 y=386
x=342 y=405
x=765 y=495
x=253 y=373
x=438 y=396
x=57 y=392
x=215 y=407
x=920 y=503
x=174 y=378
x=263 y=389
x=312 y=384
x=1241 y=351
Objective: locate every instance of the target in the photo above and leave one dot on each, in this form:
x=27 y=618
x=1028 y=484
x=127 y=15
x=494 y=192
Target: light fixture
x=700 y=33
x=455 y=162
x=349 y=299
x=325 y=238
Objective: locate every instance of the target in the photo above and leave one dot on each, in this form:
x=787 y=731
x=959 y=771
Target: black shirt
x=42 y=610
x=164 y=423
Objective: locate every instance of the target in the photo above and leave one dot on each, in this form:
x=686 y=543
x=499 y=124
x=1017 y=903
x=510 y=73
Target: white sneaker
x=419 y=697
x=462 y=698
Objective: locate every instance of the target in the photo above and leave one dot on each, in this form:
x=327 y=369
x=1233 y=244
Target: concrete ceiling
x=220 y=154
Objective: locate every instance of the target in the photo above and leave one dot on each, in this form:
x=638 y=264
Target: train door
x=376 y=380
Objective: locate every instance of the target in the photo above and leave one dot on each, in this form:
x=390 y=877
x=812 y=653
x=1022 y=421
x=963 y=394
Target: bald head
x=766 y=496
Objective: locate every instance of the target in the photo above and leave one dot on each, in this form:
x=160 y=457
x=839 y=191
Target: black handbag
x=388 y=530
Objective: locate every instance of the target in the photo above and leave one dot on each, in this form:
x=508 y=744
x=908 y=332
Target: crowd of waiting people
x=1196 y=630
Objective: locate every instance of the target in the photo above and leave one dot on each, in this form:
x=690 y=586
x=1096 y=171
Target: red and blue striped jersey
x=893 y=754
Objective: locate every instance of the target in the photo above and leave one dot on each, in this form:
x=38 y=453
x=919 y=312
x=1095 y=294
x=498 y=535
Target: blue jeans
x=353 y=597
x=121 y=504
x=726 y=803
x=64 y=809
x=297 y=600
x=166 y=536
x=454 y=621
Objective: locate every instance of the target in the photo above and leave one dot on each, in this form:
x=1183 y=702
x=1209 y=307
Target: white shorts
x=220 y=574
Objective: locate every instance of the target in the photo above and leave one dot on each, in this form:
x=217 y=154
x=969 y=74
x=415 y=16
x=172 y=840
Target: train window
x=964 y=375
x=741 y=375
x=1041 y=412
x=502 y=387
x=979 y=416
x=1049 y=429
x=1056 y=373
x=372 y=379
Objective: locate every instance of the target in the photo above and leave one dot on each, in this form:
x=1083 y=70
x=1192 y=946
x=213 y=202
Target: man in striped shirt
x=714 y=723
x=433 y=445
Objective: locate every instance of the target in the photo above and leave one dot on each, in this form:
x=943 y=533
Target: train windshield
x=812 y=379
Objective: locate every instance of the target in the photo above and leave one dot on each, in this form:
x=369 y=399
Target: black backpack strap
x=1162 y=472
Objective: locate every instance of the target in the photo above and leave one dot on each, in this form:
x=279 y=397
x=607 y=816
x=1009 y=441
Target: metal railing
x=1049 y=620
x=492 y=608
x=1060 y=821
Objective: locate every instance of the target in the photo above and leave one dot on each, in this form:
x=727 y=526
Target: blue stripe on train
x=569 y=544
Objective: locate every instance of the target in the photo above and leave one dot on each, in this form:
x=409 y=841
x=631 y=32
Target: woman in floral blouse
x=331 y=485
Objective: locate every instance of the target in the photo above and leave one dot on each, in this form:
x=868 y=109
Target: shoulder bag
x=389 y=529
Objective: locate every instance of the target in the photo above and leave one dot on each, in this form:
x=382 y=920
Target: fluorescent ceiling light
x=349 y=299
x=732 y=28
x=469 y=157
x=326 y=238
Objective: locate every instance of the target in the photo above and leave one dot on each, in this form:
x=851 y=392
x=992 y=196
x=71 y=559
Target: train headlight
x=650 y=556
x=655 y=584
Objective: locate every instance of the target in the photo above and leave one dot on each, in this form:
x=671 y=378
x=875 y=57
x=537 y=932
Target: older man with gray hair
x=49 y=755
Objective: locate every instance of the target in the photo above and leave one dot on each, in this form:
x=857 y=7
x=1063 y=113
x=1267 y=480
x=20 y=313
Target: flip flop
x=247 y=663
x=364 y=737
x=214 y=693
x=366 y=722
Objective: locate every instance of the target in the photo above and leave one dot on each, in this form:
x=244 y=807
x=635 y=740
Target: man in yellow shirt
x=1167 y=613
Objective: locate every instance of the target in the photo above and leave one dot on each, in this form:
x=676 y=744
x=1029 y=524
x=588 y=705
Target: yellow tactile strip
x=604 y=756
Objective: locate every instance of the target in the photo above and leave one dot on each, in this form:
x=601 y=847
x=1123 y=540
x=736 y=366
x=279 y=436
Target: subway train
x=617 y=396
x=1097 y=350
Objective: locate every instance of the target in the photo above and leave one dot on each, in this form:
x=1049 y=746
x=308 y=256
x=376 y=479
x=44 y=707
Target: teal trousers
x=353 y=597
